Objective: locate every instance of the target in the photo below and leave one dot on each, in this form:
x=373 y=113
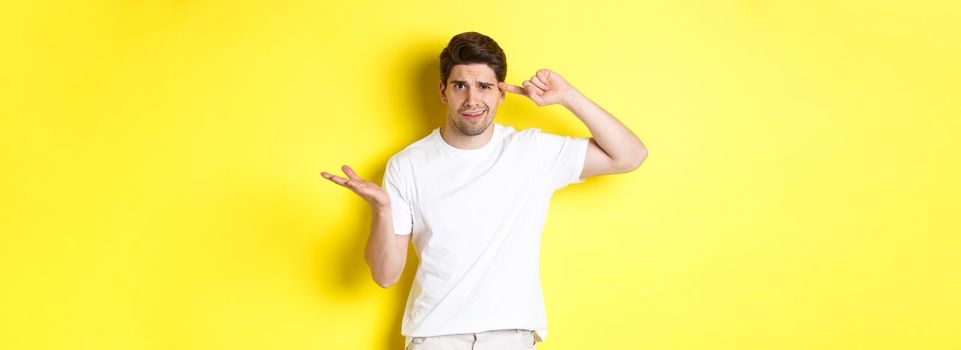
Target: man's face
x=472 y=97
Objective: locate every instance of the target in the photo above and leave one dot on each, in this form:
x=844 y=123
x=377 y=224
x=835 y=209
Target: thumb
x=350 y=173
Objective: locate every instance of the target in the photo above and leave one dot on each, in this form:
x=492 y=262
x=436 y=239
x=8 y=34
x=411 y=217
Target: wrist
x=380 y=209
x=573 y=100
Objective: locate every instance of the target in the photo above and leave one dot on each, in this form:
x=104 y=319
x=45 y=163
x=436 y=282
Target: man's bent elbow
x=385 y=284
x=634 y=163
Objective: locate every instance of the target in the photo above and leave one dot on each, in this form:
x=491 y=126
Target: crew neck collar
x=469 y=152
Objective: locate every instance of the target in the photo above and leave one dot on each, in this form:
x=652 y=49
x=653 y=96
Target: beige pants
x=502 y=339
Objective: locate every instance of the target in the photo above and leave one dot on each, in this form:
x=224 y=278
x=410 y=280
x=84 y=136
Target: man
x=474 y=195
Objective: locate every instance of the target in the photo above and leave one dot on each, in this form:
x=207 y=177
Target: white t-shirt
x=476 y=217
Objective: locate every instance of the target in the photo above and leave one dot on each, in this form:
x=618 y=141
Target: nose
x=471 y=100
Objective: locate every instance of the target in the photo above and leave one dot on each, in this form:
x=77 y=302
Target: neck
x=455 y=138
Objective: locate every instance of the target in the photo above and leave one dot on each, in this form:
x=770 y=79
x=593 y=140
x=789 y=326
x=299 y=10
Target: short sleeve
x=562 y=157
x=400 y=208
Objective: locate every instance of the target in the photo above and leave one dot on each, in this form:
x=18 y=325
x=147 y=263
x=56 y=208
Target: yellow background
x=161 y=159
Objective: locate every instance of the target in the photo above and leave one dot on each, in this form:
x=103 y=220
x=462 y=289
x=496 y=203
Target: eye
x=488 y=87
x=459 y=85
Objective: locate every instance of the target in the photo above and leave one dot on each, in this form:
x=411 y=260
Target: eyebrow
x=464 y=82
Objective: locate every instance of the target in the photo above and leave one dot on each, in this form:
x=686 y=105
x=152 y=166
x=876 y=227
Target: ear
x=442 y=88
x=503 y=93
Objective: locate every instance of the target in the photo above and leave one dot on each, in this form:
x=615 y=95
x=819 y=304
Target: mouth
x=473 y=115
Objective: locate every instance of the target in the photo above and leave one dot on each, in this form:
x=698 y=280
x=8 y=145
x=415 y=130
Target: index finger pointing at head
x=510 y=88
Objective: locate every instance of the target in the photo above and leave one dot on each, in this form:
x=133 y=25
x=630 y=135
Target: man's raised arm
x=613 y=148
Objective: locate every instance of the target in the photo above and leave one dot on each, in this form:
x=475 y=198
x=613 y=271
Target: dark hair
x=473 y=47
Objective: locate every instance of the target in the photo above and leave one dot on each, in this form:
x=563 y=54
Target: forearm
x=386 y=261
x=610 y=134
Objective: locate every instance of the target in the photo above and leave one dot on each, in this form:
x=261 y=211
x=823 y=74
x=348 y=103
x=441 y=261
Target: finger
x=350 y=173
x=335 y=179
x=532 y=89
x=348 y=183
x=514 y=89
x=538 y=83
x=544 y=74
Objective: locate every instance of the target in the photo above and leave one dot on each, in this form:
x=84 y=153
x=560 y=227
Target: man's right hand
x=369 y=191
